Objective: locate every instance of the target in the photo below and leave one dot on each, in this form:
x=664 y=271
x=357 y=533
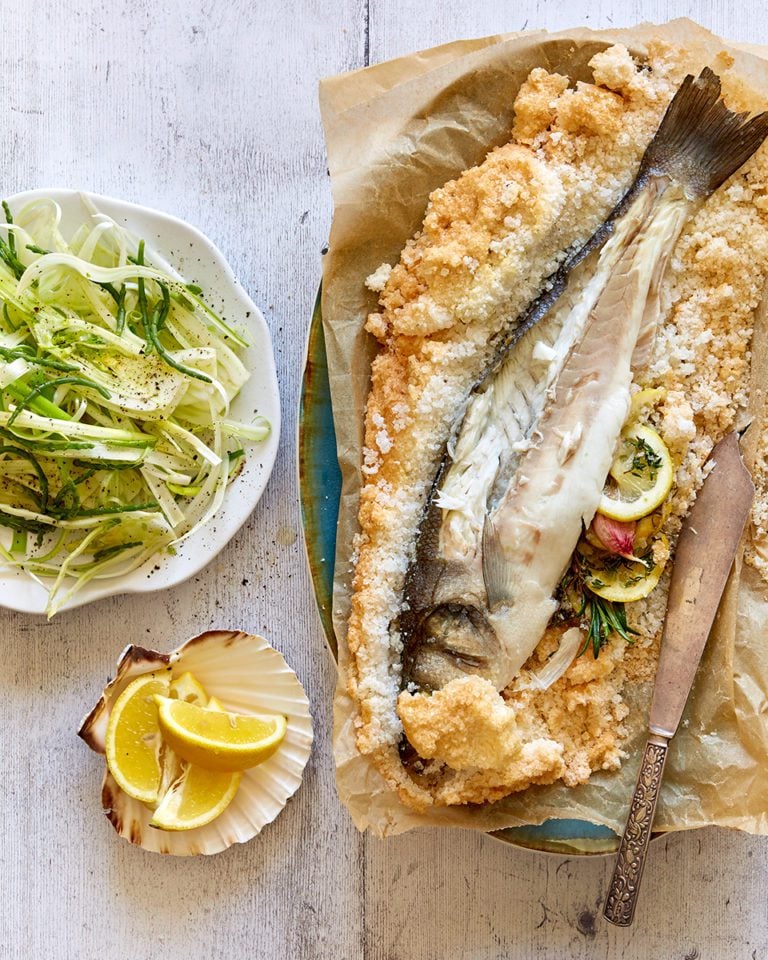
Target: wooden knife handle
x=630 y=860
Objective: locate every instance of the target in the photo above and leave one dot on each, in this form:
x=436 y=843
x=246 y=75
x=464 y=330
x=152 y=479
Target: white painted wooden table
x=207 y=109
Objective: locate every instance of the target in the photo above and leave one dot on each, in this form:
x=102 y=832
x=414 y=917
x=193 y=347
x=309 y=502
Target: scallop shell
x=246 y=675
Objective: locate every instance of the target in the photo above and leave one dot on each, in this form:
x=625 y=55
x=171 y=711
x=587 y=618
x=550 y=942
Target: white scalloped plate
x=194 y=256
x=247 y=675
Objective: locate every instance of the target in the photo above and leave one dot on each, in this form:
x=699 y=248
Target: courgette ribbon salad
x=116 y=381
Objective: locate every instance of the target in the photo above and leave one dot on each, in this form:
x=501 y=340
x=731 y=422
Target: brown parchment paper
x=394 y=133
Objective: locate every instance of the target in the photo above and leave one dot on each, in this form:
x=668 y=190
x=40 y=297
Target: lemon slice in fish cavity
x=133 y=742
x=641 y=475
x=621 y=579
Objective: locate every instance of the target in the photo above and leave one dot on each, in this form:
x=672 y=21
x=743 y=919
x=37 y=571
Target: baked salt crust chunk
x=489 y=241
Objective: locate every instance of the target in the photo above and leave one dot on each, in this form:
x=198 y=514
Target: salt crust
x=488 y=241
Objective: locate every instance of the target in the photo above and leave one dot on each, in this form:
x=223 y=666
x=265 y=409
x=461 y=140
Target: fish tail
x=700 y=142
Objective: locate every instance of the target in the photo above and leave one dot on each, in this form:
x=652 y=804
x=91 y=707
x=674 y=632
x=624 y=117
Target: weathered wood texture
x=207 y=109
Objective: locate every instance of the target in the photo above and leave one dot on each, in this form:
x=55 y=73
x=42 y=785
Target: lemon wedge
x=187 y=687
x=197 y=797
x=641 y=474
x=216 y=739
x=133 y=737
x=622 y=580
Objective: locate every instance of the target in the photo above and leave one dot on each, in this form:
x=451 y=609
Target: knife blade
x=705 y=552
x=703 y=559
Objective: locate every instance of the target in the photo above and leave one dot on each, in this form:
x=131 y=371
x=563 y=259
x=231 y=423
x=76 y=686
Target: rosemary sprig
x=601 y=618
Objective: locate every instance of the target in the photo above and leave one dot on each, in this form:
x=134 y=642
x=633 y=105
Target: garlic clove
x=617 y=536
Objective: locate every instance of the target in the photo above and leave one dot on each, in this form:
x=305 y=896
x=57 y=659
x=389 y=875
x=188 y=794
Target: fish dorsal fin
x=499 y=587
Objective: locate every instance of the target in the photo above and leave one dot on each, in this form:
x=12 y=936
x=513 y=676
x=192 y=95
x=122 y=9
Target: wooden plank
x=433 y=895
x=206 y=109
x=400 y=28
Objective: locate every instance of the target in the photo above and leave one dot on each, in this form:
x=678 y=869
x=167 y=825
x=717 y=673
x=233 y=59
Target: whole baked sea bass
x=524 y=472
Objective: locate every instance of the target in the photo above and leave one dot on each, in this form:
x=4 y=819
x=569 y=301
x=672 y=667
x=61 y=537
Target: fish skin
x=478 y=598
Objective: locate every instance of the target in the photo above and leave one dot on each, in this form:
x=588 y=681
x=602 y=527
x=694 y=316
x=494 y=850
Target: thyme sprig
x=646 y=462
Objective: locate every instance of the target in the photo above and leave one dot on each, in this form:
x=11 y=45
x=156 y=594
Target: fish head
x=449 y=641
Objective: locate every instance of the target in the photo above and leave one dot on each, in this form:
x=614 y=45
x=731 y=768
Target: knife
x=705 y=553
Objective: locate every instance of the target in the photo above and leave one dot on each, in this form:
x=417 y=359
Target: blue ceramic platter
x=320 y=489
